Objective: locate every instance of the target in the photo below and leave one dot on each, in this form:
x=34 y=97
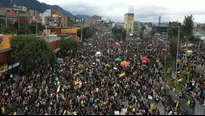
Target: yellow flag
x=154 y=94
x=158 y=60
x=77 y=82
x=64 y=113
x=152 y=106
x=122 y=74
x=6 y=94
x=58 y=89
x=14 y=113
x=74 y=113
x=177 y=104
x=133 y=109
x=188 y=102
x=3 y=109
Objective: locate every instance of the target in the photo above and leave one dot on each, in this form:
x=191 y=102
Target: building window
x=1 y=40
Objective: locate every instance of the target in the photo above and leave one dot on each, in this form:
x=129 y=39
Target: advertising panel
x=20 y=8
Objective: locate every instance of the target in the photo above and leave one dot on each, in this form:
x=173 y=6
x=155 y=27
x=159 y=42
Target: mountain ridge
x=39 y=6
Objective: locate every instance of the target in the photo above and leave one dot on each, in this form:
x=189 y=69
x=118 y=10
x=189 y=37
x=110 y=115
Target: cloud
x=145 y=10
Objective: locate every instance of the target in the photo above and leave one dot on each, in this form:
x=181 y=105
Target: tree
x=194 y=39
x=173 y=29
x=188 y=27
x=9 y=30
x=173 y=48
x=73 y=22
x=24 y=29
x=142 y=31
x=67 y=44
x=32 y=27
x=87 y=32
x=33 y=53
x=119 y=32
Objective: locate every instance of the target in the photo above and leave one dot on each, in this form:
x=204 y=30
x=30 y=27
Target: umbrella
x=116 y=44
x=190 y=45
x=18 y=78
x=144 y=58
x=164 y=50
x=59 y=60
x=144 y=61
x=118 y=59
x=98 y=54
x=125 y=64
x=189 y=51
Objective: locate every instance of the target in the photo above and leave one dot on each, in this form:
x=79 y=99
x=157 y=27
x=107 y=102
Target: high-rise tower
x=129 y=20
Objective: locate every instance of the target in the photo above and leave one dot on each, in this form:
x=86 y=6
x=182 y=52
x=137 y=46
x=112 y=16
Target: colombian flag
x=158 y=60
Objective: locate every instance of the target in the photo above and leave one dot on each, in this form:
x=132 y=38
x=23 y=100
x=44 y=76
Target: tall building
x=129 y=22
x=93 y=20
x=54 y=18
x=34 y=13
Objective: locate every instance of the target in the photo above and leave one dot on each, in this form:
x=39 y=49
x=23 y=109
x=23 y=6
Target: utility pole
x=165 y=59
x=19 y=21
x=81 y=30
x=6 y=20
x=1 y=28
x=178 y=47
x=36 y=28
x=47 y=36
x=178 y=30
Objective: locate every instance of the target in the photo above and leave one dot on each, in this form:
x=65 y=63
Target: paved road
x=161 y=108
x=198 y=109
x=200 y=69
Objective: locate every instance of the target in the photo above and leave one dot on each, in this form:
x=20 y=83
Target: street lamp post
x=1 y=28
x=179 y=26
x=81 y=31
x=165 y=59
x=36 y=28
x=177 y=47
x=47 y=36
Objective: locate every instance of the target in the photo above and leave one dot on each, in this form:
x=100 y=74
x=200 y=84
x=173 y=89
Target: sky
x=144 y=10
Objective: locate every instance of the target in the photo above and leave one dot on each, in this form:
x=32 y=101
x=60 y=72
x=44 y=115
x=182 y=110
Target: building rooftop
x=129 y=14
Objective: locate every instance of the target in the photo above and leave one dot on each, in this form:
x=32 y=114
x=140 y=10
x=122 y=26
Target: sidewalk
x=198 y=109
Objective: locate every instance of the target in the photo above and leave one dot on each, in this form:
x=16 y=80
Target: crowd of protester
x=95 y=84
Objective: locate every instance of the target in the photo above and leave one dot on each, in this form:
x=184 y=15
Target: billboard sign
x=20 y=8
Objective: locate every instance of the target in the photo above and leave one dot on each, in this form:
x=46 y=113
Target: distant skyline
x=145 y=10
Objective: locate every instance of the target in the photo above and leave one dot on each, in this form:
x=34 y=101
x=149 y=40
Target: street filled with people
x=105 y=77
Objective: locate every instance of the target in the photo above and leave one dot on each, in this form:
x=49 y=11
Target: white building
x=47 y=13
